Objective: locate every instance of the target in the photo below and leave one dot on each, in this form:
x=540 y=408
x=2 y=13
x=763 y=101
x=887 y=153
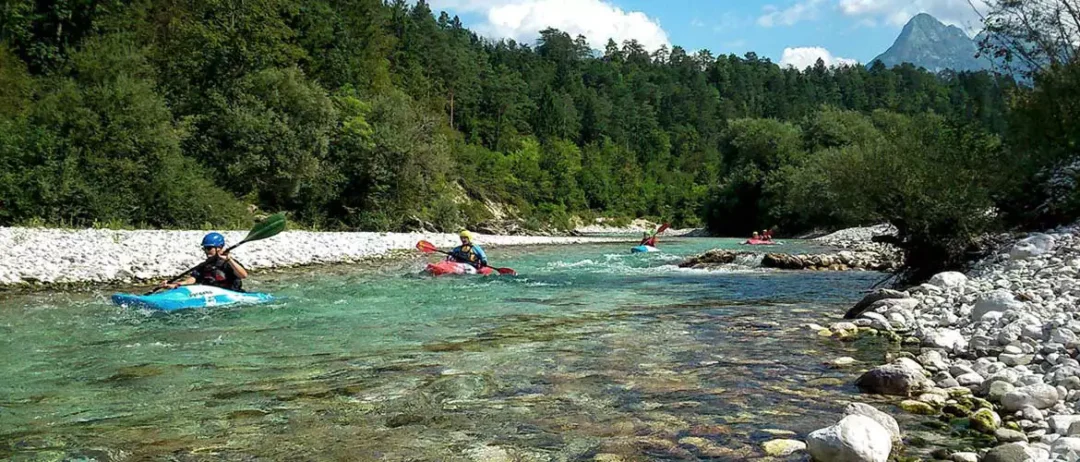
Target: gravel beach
x=63 y=256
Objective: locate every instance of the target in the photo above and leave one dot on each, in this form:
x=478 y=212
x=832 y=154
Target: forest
x=373 y=115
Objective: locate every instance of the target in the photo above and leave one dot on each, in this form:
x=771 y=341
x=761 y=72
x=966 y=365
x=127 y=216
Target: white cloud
x=801 y=11
x=597 y=20
x=898 y=12
x=803 y=57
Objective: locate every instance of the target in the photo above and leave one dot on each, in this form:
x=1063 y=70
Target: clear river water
x=590 y=353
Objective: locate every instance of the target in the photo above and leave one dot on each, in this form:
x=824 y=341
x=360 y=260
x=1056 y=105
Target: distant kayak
x=188 y=297
x=445 y=268
x=644 y=249
x=761 y=242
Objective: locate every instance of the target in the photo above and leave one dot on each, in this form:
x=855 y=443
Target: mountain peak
x=929 y=43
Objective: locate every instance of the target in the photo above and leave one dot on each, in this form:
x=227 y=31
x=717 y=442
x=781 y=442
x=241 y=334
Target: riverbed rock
x=965 y=457
x=1012 y=452
x=1061 y=424
x=948 y=339
x=892 y=379
x=985 y=420
x=1068 y=447
x=1016 y=359
x=1005 y=435
x=855 y=438
x=917 y=407
x=997 y=301
x=1039 y=396
x=1033 y=246
x=948 y=280
x=783 y=448
x=885 y=420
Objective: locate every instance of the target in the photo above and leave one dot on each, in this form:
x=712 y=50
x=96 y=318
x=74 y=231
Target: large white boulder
x=856 y=438
x=1033 y=246
x=995 y=301
x=885 y=420
x=948 y=280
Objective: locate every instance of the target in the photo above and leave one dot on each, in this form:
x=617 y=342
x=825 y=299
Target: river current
x=590 y=353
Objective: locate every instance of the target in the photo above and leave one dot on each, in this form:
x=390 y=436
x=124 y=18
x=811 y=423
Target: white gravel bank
x=1008 y=331
x=45 y=255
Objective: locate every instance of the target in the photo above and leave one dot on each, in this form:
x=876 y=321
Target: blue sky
x=789 y=31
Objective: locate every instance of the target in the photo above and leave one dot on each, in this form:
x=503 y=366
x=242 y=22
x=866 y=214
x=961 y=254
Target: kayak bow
x=188 y=297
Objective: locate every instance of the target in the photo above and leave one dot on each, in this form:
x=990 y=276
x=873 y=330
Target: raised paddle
x=269 y=227
x=427 y=247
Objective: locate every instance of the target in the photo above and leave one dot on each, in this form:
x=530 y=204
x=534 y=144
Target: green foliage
x=382 y=115
x=102 y=147
x=935 y=180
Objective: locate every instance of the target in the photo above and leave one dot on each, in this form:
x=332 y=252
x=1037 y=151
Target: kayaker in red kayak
x=219 y=269
x=648 y=239
x=468 y=252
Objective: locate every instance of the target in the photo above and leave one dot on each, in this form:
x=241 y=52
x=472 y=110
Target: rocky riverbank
x=602 y=227
x=46 y=256
x=999 y=352
x=841 y=261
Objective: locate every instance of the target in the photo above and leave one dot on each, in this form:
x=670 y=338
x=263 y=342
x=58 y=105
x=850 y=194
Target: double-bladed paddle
x=270 y=227
x=427 y=247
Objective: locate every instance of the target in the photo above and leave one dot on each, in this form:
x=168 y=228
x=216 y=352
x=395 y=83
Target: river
x=590 y=351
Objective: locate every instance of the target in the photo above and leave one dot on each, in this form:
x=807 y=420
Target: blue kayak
x=644 y=249
x=187 y=297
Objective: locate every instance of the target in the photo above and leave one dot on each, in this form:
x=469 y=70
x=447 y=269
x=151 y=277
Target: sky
x=791 y=32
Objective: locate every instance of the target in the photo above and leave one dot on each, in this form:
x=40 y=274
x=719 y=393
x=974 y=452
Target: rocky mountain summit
x=929 y=43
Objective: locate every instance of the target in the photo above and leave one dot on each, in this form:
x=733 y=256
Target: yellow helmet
x=466 y=234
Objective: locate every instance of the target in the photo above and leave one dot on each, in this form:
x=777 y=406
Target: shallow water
x=590 y=350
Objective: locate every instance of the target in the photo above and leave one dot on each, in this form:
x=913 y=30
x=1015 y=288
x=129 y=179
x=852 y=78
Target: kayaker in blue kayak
x=468 y=252
x=219 y=269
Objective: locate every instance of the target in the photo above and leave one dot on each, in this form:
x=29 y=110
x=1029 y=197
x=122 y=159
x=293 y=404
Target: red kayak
x=445 y=268
x=759 y=242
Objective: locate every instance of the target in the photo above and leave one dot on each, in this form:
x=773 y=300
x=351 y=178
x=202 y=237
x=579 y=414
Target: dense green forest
x=363 y=114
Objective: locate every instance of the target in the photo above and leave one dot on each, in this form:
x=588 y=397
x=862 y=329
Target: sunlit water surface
x=591 y=350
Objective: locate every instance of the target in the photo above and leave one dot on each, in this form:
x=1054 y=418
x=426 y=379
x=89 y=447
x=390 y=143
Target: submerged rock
x=892 y=379
x=865 y=304
x=855 y=438
x=783 y=448
x=917 y=407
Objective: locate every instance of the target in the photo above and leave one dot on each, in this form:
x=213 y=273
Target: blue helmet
x=213 y=240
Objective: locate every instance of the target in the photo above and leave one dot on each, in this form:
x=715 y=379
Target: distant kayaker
x=648 y=238
x=468 y=252
x=219 y=269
